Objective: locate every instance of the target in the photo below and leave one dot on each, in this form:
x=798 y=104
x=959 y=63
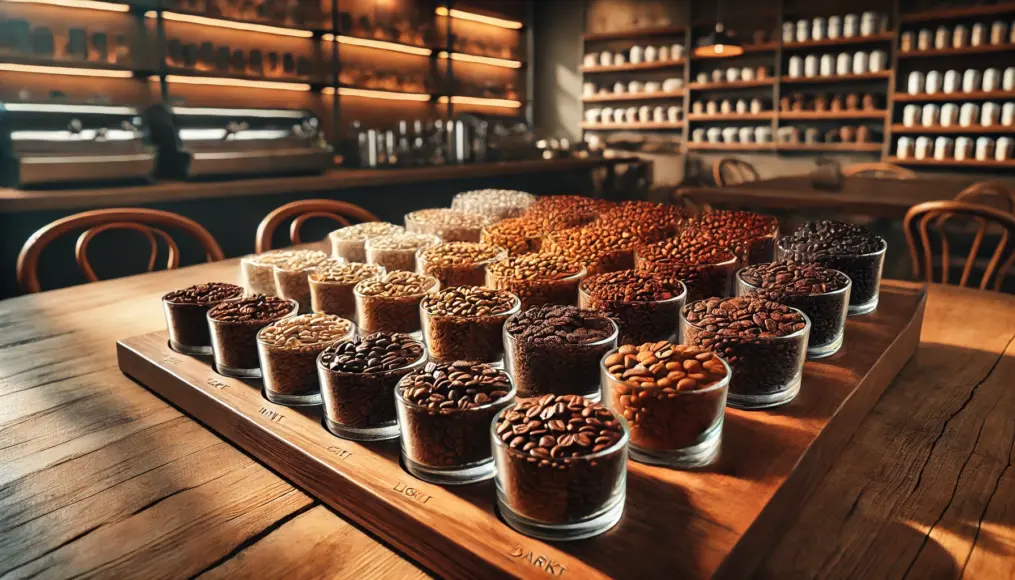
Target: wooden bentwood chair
x=303 y=210
x=733 y=171
x=879 y=170
x=97 y=221
x=921 y=220
x=990 y=194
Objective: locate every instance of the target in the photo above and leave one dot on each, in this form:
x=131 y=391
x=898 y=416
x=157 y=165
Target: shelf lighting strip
x=374 y=94
x=380 y=44
x=463 y=15
x=218 y=23
x=88 y=4
x=502 y=62
x=507 y=103
x=228 y=82
x=63 y=70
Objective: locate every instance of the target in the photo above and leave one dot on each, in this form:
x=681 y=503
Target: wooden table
x=101 y=477
x=889 y=198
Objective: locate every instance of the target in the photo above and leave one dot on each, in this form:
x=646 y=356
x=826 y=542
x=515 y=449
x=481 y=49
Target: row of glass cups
x=962 y=148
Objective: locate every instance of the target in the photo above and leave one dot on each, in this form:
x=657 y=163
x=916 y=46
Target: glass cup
x=568 y=498
x=335 y=297
x=391 y=313
x=563 y=291
x=470 y=338
x=560 y=369
x=864 y=271
x=188 y=326
x=701 y=280
x=358 y=406
x=290 y=374
x=516 y=245
x=258 y=276
x=448 y=446
x=639 y=322
x=294 y=285
x=681 y=429
x=234 y=344
x=449 y=275
x=394 y=259
x=766 y=371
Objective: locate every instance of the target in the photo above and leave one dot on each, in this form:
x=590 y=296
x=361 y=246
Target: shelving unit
x=841 y=41
x=762 y=116
x=974 y=96
x=830 y=147
x=959 y=12
x=971 y=163
x=731 y=146
x=631 y=126
x=965 y=50
x=661 y=95
x=657 y=65
x=635 y=33
x=831 y=115
x=953 y=129
x=728 y=86
x=880 y=75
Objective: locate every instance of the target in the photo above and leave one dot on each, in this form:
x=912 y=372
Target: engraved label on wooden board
x=216 y=384
x=340 y=452
x=412 y=493
x=535 y=560
x=172 y=360
x=273 y=416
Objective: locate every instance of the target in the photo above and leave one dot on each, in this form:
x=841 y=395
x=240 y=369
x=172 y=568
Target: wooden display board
x=717 y=521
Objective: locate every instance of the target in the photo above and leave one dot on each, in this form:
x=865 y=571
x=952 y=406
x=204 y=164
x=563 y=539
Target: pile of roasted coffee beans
x=537 y=279
x=705 y=267
x=751 y=235
x=458 y=263
x=516 y=235
x=646 y=307
x=466 y=323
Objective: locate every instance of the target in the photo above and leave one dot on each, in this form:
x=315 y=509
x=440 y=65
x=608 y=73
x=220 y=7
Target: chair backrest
x=97 y=221
x=881 y=170
x=303 y=210
x=924 y=219
x=733 y=171
x=989 y=193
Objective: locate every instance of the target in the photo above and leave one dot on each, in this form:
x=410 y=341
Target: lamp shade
x=719 y=44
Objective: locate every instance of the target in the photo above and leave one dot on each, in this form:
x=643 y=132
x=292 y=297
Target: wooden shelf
x=830 y=115
x=974 y=96
x=982 y=49
x=633 y=97
x=635 y=33
x=27 y=62
x=882 y=37
x=731 y=146
x=729 y=86
x=662 y=64
x=837 y=78
x=762 y=116
x=962 y=12
x=748 y=49
x=937 y=129
x=631 y=126
x=844 y=147
x=1008 y=164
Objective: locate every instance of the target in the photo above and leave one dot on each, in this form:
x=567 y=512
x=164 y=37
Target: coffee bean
x=259 y=269
x=448 y=224
x=695 y=258
x=187 y=310
x=496 y=204
x=204 y=293
x=390 y=303
x=537 y=279
x=750 y=235
x=397 y=251
x=466 y=323
x=517 y=235
x=458 y=263
x=332 y=283
x=288 y=350
x=234 y=325
x=646 y=307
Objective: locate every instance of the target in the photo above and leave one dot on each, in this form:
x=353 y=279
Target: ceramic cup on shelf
x=942 y=36
x=607 y=116
x=850 y=25
x=964 y=148
x=811 y=65
x=698 y=135
x=910 y=115
x=978 y=34
x=619 y=88
x=637 y=55
x=930 y=115
x=644 y=114
x=944 y=148
x=991 y=80
x=732 y=75
x=1003 y=149
x=590 y=60
x=605 y=58
x=843 y=64
x=635 y=87
x=697 y=108
x=588 y=89
x=990 y=114
x=984 y=149
x=651 y=54
x=664 y=53
x=932 y=84
x=673 y=113
x=701 y=78
x=1008 y=114
x=802 y=31
x=746 y=134
x=619 y=115
x=952 y=82
x=730 y=134
x=827 y=68
x=659 y=114
x=717 y=75
x=677 y=51
x=834 y=27
x=969 y=115
x=711 y=108
x=788 y=32
x=869 y=23
x=860 y=62
x=653 y=87
x=960 y=36
x=818 y=28
x=755 y=106
x=741 y=107
x=713 y=134
x=904 y=148
x=924 y=39
x=796 y=67
x=949 y=115
x=673 y=85
x=592 y=115
x=906 y=41
x=747 y=74
x=916 y=83
x=725 y=107
x=971 y=81
x=1008 y=79
x=763 y=134
x=922 y=147
x=877 y=61
x=631 y=114
x=619 y=59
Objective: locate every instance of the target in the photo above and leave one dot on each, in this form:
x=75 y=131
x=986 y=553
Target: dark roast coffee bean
x=646 y=307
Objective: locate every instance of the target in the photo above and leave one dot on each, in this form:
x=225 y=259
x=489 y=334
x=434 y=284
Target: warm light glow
x=227 y=82
x=217 y=111
x=372 y=94
x=89 y=4
x=380 y=44
x=454 y=13
x=63 y=70
x=482 y=101
x=503 y=62
x=63 y=108
x=719 y=50
x=245 y=26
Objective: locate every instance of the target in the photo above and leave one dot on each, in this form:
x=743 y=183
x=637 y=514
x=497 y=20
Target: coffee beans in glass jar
x=556 y=349
x=458 y=263
x=288 y=349
x=390 y=303
x=646 y=307
x=705 y=268
x=537 y=279
x=467 y=323
x=565 y=211
x=597 y=248
x=561 y=466
x=291 y=276
x=755 y=233
x=234 y=325
x=448 y=224
x=444 y=412
x=397 y=252
x=645 y=221
x=331 y=286
x=516 y=235
x=187 y=315
x=764 y=342
x=850 y=249
x=358 y=377
x=673 y=398
x=820 y=293
x=349 y=243
x=496 y=204
x=259 y=269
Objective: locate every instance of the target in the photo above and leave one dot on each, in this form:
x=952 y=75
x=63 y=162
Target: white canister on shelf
x=637 y=55
x=827 y=65
x=697 y=108
x=978 y=34
x=796 y=67
x=711 y=108
x=964 y=148
x=676 y=51
x=904 y=148
x=960 y=36
x=755 y=106
x=916 y=83
x=932 y=84
x=952 y=82
x=788 y=30
x=1008 y=114
x=762 y=134
x=999 y=32
x=911 y=115
x=868 y=23
x=922 y=148
x=698 y=135
x=741 y=107
x=730 y=134
x=588 y=89
x=732 y=74
x=811 y=65
x=818 y=28
x=635 y=87
x=619 y=59
x=606 y=58
x=651 y=54
x=631 y=114
x=949 y=115
x=843 y=64
x=747 y=74
x=701 y=78
x=713 y=134
x=942 y=36
x=930 y=115
x=618 y=115
x=659 y=114
x=944 y=148
x=725 y=107
x=717 y=75
x=607 y=115
x=673 y=113
x=971 y=81
x=802 y=30
x=1003 y=149
x=969 y=115
x=664 y=53
x=878 y=61
x=619 y=88
x=850 y=25
x=984 y=149
x=645 y=114
x=653 y=87
x=673 y=85
x=746 y=134
x=924 y=39
x=1008 y=79
x=906 y=40
x=592 y=115
x=834 y=27
x=991 y=80
x=590 y=60
x=990 y=114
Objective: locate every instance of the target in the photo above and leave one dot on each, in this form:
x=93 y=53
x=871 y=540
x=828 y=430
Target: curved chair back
x=733 y=171
x=303 y=210
x=927 y=218
x=97 y=221
x=990 y=194
x=880 y=170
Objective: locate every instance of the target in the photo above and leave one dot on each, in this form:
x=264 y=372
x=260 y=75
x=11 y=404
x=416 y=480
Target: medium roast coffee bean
x=234 y=325
x=646 y=307
x=695 y=258
x=467 y=323
x=537 y=279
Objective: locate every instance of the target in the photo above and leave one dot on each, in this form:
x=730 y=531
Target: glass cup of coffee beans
x=673 y=398
x=764 y=342
x=561 y=466
x=234 y=325
x=466 y=323
x=288 y=350
x=646 y=307
x=444 y=412
x=187 y=315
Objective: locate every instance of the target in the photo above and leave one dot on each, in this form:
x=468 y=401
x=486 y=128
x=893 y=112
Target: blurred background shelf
x=935 y=129
x=641 y=66
x=973 y=96
x=633 y=97
x=988 y=164
x=841 y=41
x=831 y=115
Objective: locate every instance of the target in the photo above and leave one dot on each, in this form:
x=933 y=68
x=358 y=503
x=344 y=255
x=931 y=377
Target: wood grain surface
x=99 y=477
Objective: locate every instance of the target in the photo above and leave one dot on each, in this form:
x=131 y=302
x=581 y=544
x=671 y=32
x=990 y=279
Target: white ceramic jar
x=635 y=87
x=713 y=134
x=802 y=31
x=652 y=87
x=811 y=65
x=827 y=66
x=644 y=114
x=978 y=34
x=904 y=148
x=916 y=83
x=1003 y=149
x=878 y=61
x=924 y=39
x=834 y=27
x=999 y=32
x=969 y=115
x=960 y=36
x=964 y=148
x=952 y=82
x=796 y=67
x=942 y=36
x=619 y=88
x=755 y=106
x=944 y=148
x=746 y=134
x=1008 y=114
x=922 y=148
x=984 y=149
x=932 y=84
x=741 y=107
x=818 y=28
x=971 y=81
x=990 y=114
x=673 y=114
x=730 y=134
x=606 y=58
x=788 y=30
x=843 y=64
x=698 y=135
x=1008 y=79
x=868 y=23
x=949 y=115
x=906 y=40
x=619 y=115
x=930 y=115
x=651 y=54
x=911 y=115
